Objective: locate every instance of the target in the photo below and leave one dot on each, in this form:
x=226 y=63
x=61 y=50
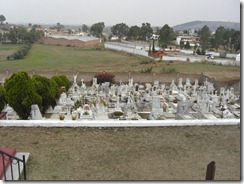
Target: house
x=193 y=40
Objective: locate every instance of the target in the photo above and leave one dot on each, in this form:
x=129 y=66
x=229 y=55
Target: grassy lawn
x=52 y=58
x=70 y=59
x=155 y=153
x=7 y=49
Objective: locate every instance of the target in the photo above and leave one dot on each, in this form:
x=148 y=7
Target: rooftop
x=81 y=38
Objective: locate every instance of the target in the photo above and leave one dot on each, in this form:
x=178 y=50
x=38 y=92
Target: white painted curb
x=116 y=123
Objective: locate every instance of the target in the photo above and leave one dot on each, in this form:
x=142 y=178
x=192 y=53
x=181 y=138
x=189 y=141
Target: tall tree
x=166 y=36
x=2 y=19
x=236 y=41
x=146 y=31
x=204 y=35
x=121 y=30
x=134 y=32
x=85 y=28
x=21 y=94
x=2 y=98
x=97 y=29
x=218 y=37
x=45 y=88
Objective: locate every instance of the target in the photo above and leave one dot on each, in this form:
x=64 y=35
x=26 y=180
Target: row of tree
x=21 y=53
x=19 y=34
x=20 y=91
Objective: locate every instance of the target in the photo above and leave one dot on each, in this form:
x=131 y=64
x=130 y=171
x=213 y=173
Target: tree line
x=228 y=39
x=20 y=34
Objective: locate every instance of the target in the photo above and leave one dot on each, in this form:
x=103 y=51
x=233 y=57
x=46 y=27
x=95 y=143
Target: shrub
x=168 y=70
x=147 y=70
x=104 y=77
x=144 y=62
x=21 y=53
x=21 y=94
x=62 y=80
x=47 y=90
x=2 y=98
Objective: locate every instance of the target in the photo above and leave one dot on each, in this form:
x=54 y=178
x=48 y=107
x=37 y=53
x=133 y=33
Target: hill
x=213 y=25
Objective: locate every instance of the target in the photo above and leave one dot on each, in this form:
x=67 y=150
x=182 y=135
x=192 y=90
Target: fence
x=10 y=160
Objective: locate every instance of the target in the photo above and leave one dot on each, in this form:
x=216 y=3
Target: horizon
x=38 y=23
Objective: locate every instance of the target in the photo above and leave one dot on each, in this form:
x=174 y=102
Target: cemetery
x=144 y=102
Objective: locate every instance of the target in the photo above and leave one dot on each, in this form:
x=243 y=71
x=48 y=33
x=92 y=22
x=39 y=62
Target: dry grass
x=156 y=153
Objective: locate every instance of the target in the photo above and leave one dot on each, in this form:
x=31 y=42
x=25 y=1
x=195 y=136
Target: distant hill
x=213 y=25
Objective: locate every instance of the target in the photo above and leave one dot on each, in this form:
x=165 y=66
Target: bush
x=21 y=53
x=47 y=90
x=104 y=77
x=147 y=70
x=62 y=80
x=200 y=52
x=21 y=94
x=2 y=98
x=168 y=70
x=144 y=62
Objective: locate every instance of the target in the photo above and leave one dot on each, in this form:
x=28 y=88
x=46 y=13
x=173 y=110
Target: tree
x=2 y=98
x=187 y=45
x=166 y=36
x=121 y=30
x=2 y=19
x=204 y=35
x=134 y=32
x=62 y=80
x=97 y=29
x=218 y=37
x=21 y=94
x=59 y=27
x=236 y=40
x=146 y=31
x=85 y=28
x=47 y=90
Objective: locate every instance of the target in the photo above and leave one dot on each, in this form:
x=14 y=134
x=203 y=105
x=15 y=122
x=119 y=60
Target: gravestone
x=63 y=98
x=188 y=82
x=183 y=108
x=156 y=106
x=94 y=81
x=180 y=85
x=156 y=83
x=35 y=112
x=75 y=77
x=131 y=82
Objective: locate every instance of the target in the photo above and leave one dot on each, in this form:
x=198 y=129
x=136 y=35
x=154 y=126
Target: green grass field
x=52 y=58
x=71 y=59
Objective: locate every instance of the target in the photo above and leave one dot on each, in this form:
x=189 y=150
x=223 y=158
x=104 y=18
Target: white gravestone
x=35 y=112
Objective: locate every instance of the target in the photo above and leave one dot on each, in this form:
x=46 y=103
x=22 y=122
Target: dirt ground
x=155 y=153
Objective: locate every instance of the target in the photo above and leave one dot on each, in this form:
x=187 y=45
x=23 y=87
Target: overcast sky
x=111 y=12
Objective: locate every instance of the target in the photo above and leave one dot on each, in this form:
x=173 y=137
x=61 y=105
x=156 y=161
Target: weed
x=144 y=62
x=147 y=70
x=168 y=70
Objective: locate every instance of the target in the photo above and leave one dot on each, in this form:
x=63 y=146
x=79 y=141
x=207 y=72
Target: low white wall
x=116 y=123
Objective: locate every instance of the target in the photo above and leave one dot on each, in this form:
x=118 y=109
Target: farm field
x=70 y=59
x=155 y=153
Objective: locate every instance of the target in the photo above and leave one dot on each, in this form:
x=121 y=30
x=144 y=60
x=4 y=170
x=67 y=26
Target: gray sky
x=111 y=12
